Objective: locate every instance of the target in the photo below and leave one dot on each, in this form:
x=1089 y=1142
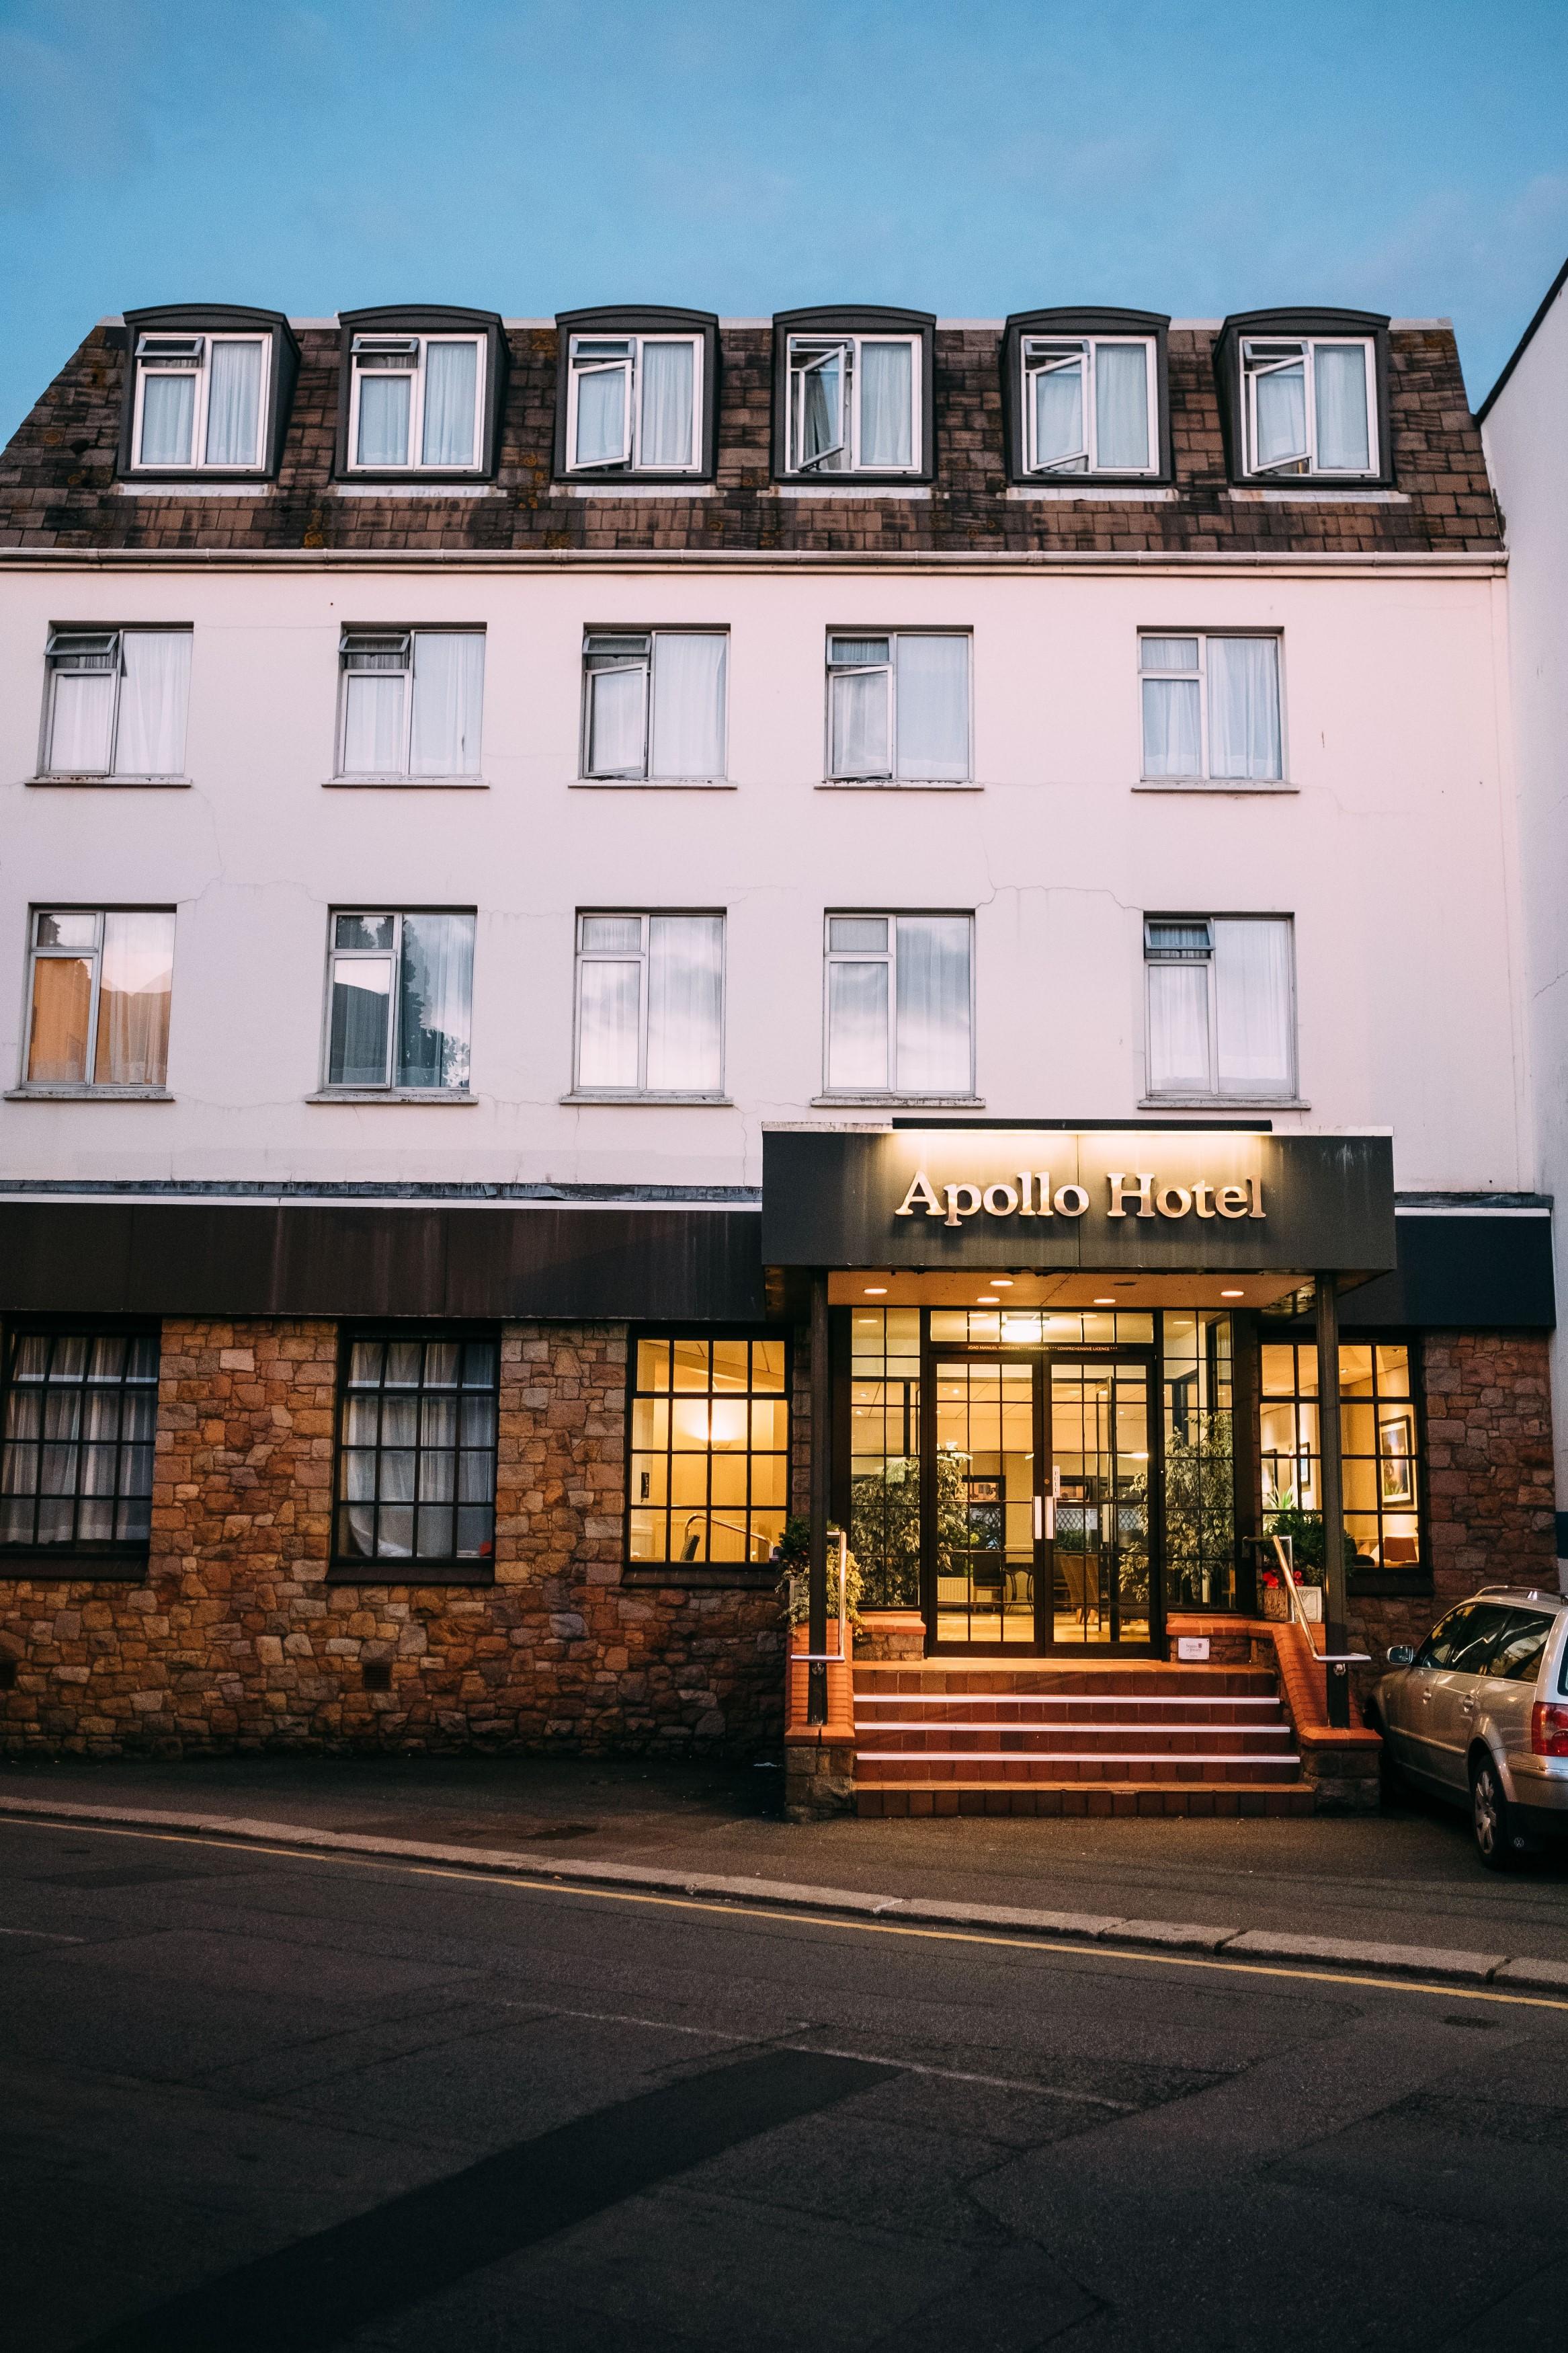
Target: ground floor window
x=79 y=1413
x=884 y=1455
x=1200 y=1461
x=710 y=1449
x=1379 y=1440
x=417 y=1454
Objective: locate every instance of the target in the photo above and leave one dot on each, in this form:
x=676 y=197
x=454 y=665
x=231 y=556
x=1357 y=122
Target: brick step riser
x=892 y=1804
x=1063 y=1744
x=999 y=1771
x=1037 y=1719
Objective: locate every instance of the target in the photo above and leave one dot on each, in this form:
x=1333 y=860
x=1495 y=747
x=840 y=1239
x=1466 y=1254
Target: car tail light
x=1549 y=1729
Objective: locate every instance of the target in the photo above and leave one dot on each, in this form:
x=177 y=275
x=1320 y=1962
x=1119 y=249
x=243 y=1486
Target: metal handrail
x=1323 y=1658
x=736 y=1528
x=834 y=1657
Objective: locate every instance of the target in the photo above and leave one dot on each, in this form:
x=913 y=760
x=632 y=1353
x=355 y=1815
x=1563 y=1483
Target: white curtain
x=1339 y=384
x=150 y=738
x=383 y=406
x=688 y=704
x=81 y=724
x=451 y=381
x=1179 y=1028
x=601 y=405
x=821 y=398
x=933 y=1018
x=373 y=726
x=933 y=706
x=449 y=696
x=434 y=990
x=1172 y=727
x=858 y=1027
x=1058 y=414
x=668 y=380
x=887 y=383
x=1281 y=394
x=1244 y=707
x=859 y=704
x=685 y=985
x=1122 y=406
x=609 y=999
x=617 y=720
x=1252 y=1005
x=135 y=984
x=168 y=408
x=234 y=403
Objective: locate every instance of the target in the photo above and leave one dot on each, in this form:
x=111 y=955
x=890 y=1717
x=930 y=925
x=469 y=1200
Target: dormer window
x=1304 y=395
x=200 y=401
x=636 y=403
x=417 y=401
x=1089 y=405
x=854 y=395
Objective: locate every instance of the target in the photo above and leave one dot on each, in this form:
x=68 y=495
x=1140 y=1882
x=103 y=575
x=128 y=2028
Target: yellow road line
x=736 y=1909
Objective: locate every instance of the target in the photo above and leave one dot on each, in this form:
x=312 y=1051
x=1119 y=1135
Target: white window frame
x=1036 y=348
x=1287 y=347
x=889 y=956
x=415 y=345
x=387 y=1085
x=86 y=1084
x=405 y=774
x=647 y=663
x=1204 y=637
x=1212 y=1091
x=631 y=430
x=889 y=775
x=643 y=916
x=201 y=343
x=804 y=351
x=111 y=642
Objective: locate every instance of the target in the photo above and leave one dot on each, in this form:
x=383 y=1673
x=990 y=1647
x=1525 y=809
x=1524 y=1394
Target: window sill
x=58 y=1564
x=405 y=783
x=1247 y=787
x=653 y=785
x=677 y=487
x=867 y=490
x=119 y=783
x=450 y=1096
x=900 y=785
x=192 y=486
x=1089 y=492
x=397 y=1572
x=1223 y=1103
x=712 y=1102
x=898 y=1103
x=400 y=486
x=87 y=1094
x=1314 y=495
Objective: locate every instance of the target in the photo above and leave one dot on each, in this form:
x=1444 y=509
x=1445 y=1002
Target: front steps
x=1061 y=1737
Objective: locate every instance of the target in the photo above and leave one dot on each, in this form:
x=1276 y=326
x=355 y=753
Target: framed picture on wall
x=1396 y=1461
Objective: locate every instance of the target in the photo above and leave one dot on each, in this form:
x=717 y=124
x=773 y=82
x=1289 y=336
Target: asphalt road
x=252 y=2099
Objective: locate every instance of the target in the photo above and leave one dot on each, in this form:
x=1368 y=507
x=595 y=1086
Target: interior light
x=876 y=1291
x=1001 y=1283
x=1233 y=1294
x=1105 y=1302
x=988 y=1299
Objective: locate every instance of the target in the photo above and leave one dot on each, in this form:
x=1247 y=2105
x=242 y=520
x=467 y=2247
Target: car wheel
x=1498 y=1841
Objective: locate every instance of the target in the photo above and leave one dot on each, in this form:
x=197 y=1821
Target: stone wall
x=237 y=1638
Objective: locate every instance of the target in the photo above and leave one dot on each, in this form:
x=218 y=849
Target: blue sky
x=967 y=156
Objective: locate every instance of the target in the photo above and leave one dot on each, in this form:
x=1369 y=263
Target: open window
x=853 y=394
x=637 y=394
x=1084 y=393
x=421 y=392
x=1305 y=397
x=207 y=391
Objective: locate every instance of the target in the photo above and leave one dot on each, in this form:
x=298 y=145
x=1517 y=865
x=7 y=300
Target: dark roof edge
x=1309 y=318
x=210 y=315
x=1525 y=342
x=392 y=311
x=663 y=312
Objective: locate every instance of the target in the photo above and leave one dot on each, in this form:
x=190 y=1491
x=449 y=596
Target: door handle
x=1040 y=1517
x=1045 y=1518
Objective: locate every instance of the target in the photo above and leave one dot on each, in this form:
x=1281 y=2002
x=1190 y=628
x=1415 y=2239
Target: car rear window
x=1516 y=1654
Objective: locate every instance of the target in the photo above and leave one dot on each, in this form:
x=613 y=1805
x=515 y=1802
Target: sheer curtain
x=858 y=1027
x=168 y=409
x=234 y=403
x=1244 y=707
x=1172 y=709
x=685 y=985
x=448 y=694
x=933 y=706
x=374 y=738
x=887 y=383
x=1122 y=406
x=1252 y=1005
x=451 y=382
x=688 y=704
x=861 y=705
x=1339 y=387
x=81 y=724
x=669 y=381
x=150 y=738
x=1179 y=1029
x=1058 y=414
x=617 y=719
x=602 y=407
x=932 y=1015
x=1281 y=398
x=134 y=989
x=435 y=988
x=384 y=405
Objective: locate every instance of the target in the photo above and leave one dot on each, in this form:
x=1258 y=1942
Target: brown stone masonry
x=237 y=1640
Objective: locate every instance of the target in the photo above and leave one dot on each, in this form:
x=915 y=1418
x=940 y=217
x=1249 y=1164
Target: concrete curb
x=1167 y=1935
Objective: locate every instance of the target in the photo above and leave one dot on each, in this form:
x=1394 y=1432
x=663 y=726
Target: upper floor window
x=98 y=998
x=635 y=394
x=653 y=704
x=1211 y=708
x=651 y=1004
x=420 y=392
x=855 y=394
x=208 y=390
x=411 y=702
x=400 y=1001
x=1306 y=395
x=1084 y=393
x=898 y=707
x=898 y=1011
x=79 y=1426
x=1221 y=1006
x=115 y=702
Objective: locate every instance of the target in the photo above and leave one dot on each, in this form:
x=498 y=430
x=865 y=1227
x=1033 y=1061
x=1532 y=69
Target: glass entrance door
x=985 y=1508
x=1097 y=1510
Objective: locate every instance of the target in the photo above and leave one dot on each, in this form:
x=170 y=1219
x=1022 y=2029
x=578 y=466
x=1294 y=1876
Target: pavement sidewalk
x=1407 y=1880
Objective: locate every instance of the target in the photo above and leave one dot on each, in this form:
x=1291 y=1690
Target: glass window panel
x=653 y=1363
x=730 y=1364
x=858 y=703
x=449 y=699
x=365 y=1363
x=668 y=405
x=150 y=738
x=767 y=1364
x=698 y=1450
x=689 y=704
x=609 y=998
x=435 y=980
x=864 y=933
x=361 y=1022
x=933 y=707
x=1281 y=411
x=1178 y=1028
x=61 y=1020
x=1121 y=407
x=887 y=424
x=1172 y=727
x=1356 y=1366
x=858 y=1027
x=601 y=403
x=384 y=404
x=364 y=931
x=374 y=729
x=1244 y=707
x=234 y=403
x=168 y=413
x=685 y=1012
x=1168 y=653
x=617 y=712
x=933 y=1018
x=133 y=1000
x=820 y=398
x=1252 y=1007
x=612 y=935
x=402 y=1364
x=451 y=387
x=650 y=1422
x=1338 y=387
x=1058 y=414
x=1392 y=1371
x=81 y=729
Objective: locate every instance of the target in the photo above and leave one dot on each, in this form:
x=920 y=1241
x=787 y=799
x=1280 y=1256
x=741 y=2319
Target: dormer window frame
x=182 y=340
x=366 y=352
x=638 y=327
x=1023 y=334
x=805 y=343
x=405 y=333
x=1254 y=344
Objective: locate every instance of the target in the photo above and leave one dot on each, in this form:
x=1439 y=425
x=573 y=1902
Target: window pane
x=361 y=1004
x=1168 y=653
x=62 y=1011
x=821 y=398
x=1252 y=1007
x=685 y=1047
x=617 y=700
x=449 y=693
x=436 y=979
x=867 y=934
x=933 y=706
x=608 y=998
x=1172 y=727
x=373 y=725
x=669 y=383
x=151 y=741
x=383 y=406
x=451 y=382
x=1058 y=414
x=932 y=1042
x=602 y=416
x=81 y=729
x=1178 y=1029
x=364 y=931
x=1339 y=384
x=1281 y=398
x=1244 y=707
x=886 y=381
x=168 y=406
x=234 y=403
x=860 y=745
x=1120 y=407
x=133 y=1000
x=689 y=705
x=856 y=1028
x=612 y=935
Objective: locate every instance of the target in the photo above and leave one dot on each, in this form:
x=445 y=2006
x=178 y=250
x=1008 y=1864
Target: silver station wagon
x=1479 y=1715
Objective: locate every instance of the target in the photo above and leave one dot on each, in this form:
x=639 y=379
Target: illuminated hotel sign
x=1030 y=1195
